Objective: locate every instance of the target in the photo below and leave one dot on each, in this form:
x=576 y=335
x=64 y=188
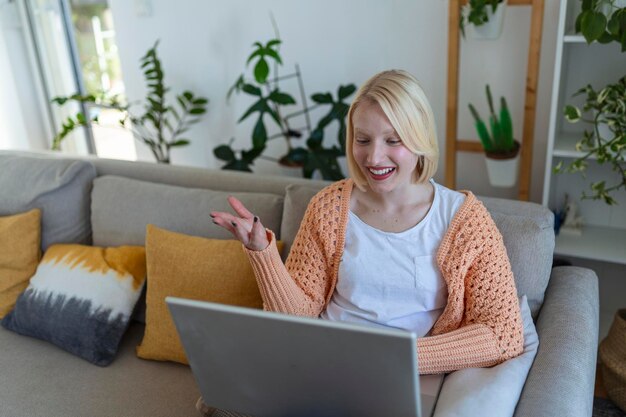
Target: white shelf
x=565 y=145
x=599 y=243
x=571 y=38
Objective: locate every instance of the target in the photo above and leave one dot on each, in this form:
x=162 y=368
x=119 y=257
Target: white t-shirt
x=391 y=279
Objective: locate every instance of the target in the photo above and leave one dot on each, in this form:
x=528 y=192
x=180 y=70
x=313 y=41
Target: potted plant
x=501 y=150
x=486 y=16
x=603 y=21
x=606 y=141
x=270 y=106
x=159 y=125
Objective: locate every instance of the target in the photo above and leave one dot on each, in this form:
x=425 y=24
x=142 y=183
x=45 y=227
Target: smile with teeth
x=380 y=172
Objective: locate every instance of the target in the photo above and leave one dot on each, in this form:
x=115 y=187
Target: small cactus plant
x=500 y=141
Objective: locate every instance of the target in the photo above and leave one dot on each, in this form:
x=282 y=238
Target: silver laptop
x=267 y=364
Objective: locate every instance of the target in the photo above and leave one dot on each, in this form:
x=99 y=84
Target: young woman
x=390 y=247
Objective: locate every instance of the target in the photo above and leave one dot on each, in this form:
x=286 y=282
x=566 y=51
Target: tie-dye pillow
x=81 y=299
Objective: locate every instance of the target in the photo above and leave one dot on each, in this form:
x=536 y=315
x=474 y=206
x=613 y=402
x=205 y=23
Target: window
x=75 y=44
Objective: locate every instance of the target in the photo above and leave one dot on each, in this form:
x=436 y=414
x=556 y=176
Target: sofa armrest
x=561 y=380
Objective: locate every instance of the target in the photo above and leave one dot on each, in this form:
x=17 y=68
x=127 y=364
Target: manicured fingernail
x=256 y=219
x=234 y=224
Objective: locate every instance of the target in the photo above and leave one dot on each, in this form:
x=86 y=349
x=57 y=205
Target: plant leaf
x=261 y=71
x=224 y=152
x=593 y=25
x=572 y=113
x=251 y=89
x=259 y=134
x=325 y=98
x=346 y=91
x=281 y=98
x=179 y=142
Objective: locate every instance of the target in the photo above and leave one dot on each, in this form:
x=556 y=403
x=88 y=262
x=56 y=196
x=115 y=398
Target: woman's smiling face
x=378 y=151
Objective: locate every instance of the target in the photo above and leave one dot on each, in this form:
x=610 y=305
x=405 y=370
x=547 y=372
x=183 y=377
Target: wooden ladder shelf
x=453 y=144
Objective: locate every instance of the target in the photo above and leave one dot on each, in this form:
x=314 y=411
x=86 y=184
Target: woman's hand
x=246 y=228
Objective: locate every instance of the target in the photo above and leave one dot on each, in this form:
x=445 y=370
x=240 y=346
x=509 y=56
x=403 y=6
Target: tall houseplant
x=501 y=149
x=605 y=112
x=270 y=106
x=159 y=125
x=603 y=21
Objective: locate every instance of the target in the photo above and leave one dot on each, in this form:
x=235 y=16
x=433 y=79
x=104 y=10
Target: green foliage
x=159 y=125
x=269 y=104
x=477 y=13
x=607 y=108
x=602 y=21
x=501 y=138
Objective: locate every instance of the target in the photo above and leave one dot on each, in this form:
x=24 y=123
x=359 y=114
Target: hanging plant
x=477 y=13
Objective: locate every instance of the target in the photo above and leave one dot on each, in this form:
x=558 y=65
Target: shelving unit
x=577 y=64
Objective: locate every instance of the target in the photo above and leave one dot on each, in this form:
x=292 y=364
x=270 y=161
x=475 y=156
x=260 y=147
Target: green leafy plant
x=606 y=141
x=269 y=106
x=477 y=13
x=159 y=125
x=500 y=139
x=602 y=21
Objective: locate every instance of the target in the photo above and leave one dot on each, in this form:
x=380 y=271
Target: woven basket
x=613 y=360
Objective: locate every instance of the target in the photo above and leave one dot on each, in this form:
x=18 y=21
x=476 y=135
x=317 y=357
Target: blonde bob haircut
x=405 y=104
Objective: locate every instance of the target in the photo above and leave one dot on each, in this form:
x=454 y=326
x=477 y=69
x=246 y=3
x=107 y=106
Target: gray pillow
x=60 y=188
x=526 y=229
x=122 y=208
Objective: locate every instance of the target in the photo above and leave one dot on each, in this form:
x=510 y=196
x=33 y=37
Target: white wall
x=204 y=45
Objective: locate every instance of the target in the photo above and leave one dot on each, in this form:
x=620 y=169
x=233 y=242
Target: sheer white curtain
x=56 y=66
x=24 y=123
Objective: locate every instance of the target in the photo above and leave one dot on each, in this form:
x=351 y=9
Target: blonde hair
x=405 y=104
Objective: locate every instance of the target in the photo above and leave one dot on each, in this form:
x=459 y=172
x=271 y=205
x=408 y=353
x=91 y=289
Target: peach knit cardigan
x=481 y=324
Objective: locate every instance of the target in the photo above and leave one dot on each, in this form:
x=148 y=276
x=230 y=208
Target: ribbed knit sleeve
x=481 y=324
x=304 y=284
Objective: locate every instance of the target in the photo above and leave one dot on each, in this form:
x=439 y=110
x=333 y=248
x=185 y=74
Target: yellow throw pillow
x=185 y=266
x=20 y=251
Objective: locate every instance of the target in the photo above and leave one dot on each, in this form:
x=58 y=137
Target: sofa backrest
x=128 y=195
x=60 y=188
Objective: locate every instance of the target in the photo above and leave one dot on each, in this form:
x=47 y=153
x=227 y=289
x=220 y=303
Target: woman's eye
x=393 y=141
x=361 y=141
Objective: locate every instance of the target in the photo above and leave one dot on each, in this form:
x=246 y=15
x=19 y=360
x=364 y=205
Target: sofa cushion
x=296 y=201
x=81 y=299
x=191 y=267
x=526 y=229
x=40 y=380
x=20 y=243
x=60 y=188
x=528 y=233
x=121 y=209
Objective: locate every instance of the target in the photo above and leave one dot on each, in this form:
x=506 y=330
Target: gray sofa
x=108 y=203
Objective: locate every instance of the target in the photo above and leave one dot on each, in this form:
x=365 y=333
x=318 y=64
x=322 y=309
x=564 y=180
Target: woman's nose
x=375 y=154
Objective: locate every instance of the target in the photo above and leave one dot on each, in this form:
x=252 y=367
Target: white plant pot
x=502 y=172
x=493 y=28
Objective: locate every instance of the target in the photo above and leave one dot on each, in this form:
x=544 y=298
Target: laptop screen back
x=272 y=365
